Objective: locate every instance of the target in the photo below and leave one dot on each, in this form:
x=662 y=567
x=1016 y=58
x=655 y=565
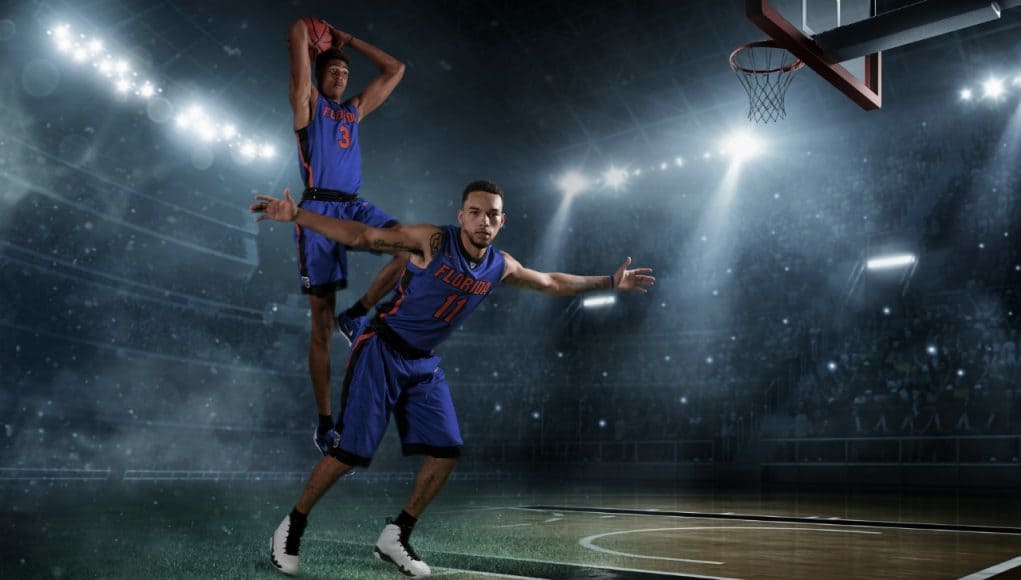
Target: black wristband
x=325 y=422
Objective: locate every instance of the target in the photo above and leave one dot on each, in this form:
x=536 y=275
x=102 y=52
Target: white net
x=766 y=71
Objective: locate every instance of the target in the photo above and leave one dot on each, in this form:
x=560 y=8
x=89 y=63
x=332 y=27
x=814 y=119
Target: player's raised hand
x=638 y=279
x=340 y=37
x=269 y=207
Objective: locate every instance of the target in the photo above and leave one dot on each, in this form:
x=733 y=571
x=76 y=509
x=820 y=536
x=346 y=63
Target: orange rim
x=798 y=63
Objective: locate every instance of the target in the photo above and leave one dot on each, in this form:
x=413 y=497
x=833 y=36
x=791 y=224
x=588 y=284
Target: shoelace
x=407 y=547
x=402 y=539
x=293 y=542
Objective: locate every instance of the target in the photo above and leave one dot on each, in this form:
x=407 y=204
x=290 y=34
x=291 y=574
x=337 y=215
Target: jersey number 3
x=345 y=137
x=445 y=312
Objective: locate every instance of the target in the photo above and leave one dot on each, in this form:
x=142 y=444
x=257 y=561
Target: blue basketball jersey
x=328 y=152
x=429 y=303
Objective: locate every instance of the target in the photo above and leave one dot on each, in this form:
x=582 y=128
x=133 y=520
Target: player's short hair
x=481 y=185
x=324 y=58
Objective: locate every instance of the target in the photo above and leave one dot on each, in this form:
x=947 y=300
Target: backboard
x=843 y=40
x=796 y=24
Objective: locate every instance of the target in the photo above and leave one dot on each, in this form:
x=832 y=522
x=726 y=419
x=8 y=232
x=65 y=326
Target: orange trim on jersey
x=357 y=343
x=400 y=289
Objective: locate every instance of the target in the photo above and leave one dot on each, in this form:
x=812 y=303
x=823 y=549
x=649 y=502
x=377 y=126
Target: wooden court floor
x=207 y=529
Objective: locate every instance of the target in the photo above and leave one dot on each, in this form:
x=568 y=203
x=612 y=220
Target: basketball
x=319 y=35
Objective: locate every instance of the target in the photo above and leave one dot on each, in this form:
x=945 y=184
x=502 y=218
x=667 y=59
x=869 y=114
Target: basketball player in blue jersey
x=326 y=128
x=392 y=367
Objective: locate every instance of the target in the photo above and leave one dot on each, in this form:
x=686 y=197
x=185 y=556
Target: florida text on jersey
x=329 y=154
x=430 y=302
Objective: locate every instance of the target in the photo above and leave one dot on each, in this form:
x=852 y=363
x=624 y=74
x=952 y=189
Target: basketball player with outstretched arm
x=326 y=126
x=392 y=367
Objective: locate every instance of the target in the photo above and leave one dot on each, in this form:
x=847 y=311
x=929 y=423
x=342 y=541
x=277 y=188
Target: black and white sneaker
x=284 y=545
x=392 y=546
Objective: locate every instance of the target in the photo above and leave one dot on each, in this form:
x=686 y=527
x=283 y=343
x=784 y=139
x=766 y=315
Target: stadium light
x=124 y=80
x=599 y=301
x=614 y=177
x=62 y=33
x=205 y=130
x=741 y=146
x=248 y=150
x=888 y=262
x=966 y=94
x=993 y=88
x=573 y=183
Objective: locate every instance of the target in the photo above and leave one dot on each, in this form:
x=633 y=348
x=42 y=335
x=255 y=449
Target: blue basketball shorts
x=380 y=381
x=323 y=262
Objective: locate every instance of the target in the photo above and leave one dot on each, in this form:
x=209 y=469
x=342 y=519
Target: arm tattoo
x=384 y=245
x=434 y=243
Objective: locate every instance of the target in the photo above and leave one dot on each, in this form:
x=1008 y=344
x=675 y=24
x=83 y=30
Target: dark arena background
x=823 y=382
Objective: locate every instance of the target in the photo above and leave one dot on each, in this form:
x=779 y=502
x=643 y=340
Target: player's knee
x=322 y=334
x=322 y=322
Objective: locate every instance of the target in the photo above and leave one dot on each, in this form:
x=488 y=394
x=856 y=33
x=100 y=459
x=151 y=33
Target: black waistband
x=394 y=340
x=320 y=194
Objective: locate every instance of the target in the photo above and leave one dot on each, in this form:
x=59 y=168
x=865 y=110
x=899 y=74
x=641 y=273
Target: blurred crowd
x=763 y=323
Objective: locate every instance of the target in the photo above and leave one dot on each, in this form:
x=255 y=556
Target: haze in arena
x=702 y=289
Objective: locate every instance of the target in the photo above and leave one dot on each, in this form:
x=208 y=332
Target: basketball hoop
x=766 y=70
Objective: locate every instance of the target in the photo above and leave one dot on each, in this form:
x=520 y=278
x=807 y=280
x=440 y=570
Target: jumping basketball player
x=331 y=170
x=392 y=366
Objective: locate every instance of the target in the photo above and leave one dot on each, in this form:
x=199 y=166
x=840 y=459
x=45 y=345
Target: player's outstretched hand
x=271 y=208
x=638 y=279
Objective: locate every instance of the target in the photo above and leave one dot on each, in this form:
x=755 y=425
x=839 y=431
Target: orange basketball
x=318 y=35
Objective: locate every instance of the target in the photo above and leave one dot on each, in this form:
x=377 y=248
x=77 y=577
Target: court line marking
x=588 y=542
x=447 y=571
x=920 y=527
x=512 y=525
x=601 y=567
x=994 y=570
x=551 y=562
